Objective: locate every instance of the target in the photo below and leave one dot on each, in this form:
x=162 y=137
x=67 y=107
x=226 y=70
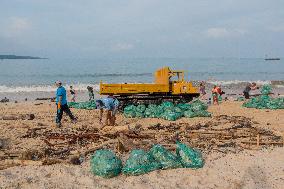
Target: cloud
x=223 y=32
x=122 y=47
x=15 y=26
x=19 y=24
x=279 y=28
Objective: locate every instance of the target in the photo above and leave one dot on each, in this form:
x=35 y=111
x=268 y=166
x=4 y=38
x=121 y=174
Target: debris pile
x=264 y=101
x=104 y=163
x=226 y=134
x=167 y=110
x=88 y=105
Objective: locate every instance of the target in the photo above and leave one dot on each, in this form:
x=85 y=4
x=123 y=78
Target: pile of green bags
x=167 y=110
x=89 y=105
x=264 y=101
x=104 y=163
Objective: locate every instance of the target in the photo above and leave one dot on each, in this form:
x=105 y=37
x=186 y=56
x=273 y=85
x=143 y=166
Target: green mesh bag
x=139 y=114
x=189 y=114
x=184 y=107
x=104 y=163
x=198 y=106
x=129 y=111
x=167 y=104
x=170 y=115
x=140 y=162
x=153 y=111
x=189 y=157
x=89 y=105
x=166 y=158
x=129 y=108
x=266 y=89
x=264 y=101
x=203 y=113
x=140 y=108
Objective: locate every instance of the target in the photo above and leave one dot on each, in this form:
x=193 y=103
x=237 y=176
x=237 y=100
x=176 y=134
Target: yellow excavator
x=169 y=85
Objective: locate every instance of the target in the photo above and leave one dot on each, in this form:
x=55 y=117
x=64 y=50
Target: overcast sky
x=142 y=28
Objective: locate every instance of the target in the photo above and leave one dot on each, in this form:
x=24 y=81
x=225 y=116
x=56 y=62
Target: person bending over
x=249 y=87
x=110 y=104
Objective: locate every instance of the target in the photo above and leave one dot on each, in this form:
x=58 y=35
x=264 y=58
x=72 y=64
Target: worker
x=249 y=87
x=61 y=103
x=215 y=94
x=73 y=93
x=111 y=105
x=202 y=89
x=220 y=93
x=91 y=93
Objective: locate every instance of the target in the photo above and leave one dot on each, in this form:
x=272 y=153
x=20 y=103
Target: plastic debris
x=166 y=158
x=189 y=157
x=89 y=105
x=104 y=163
x=140 y=162
x=264 y=101
x=168 y=111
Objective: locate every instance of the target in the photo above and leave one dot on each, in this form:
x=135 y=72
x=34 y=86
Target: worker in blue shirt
x=111 y=105
x=61 y=102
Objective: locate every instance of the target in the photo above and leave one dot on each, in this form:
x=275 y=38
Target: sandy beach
x=260 y=167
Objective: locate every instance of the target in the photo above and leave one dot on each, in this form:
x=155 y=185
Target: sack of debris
x=140 y=108
x=198 y=106
x=266 y=89
x=264 y=101
x=140 y=162
x=89 y=105
x=104 y=163
x=168 y=111
x=201 y=113
x=189 y=114
x=184 y=106
x=129 y=111
x=154 y=111
x=164 y=157
x=170 y=115
x=189 y=157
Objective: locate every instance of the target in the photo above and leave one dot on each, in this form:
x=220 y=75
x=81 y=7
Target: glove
x=58 y=107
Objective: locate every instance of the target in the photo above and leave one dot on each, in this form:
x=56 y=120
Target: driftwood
x=86 y=152
x=47 y=98
x=226 y=134
x=18 y=117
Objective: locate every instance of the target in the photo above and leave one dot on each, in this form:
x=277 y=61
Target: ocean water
x=40 y=75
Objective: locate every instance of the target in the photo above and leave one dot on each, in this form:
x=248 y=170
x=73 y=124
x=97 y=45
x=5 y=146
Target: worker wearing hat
x=61 y=103
x=111 y=105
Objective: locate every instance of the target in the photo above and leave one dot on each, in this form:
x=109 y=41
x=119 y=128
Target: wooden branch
x=86 y=152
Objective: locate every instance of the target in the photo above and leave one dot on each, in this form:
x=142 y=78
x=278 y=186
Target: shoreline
x=233 y=90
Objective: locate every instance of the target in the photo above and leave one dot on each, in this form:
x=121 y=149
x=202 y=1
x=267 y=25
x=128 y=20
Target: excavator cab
x=176 y=86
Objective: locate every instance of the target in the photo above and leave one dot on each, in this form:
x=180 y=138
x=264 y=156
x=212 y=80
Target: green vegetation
x=2 y=57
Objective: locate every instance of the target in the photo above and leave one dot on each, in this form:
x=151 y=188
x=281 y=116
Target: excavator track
x=153 y=99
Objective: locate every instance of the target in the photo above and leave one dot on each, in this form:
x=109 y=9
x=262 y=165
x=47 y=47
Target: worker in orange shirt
x=215 y=94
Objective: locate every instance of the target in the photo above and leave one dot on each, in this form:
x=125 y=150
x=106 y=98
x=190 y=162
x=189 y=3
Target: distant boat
x=272 y=59
x=267 y=58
